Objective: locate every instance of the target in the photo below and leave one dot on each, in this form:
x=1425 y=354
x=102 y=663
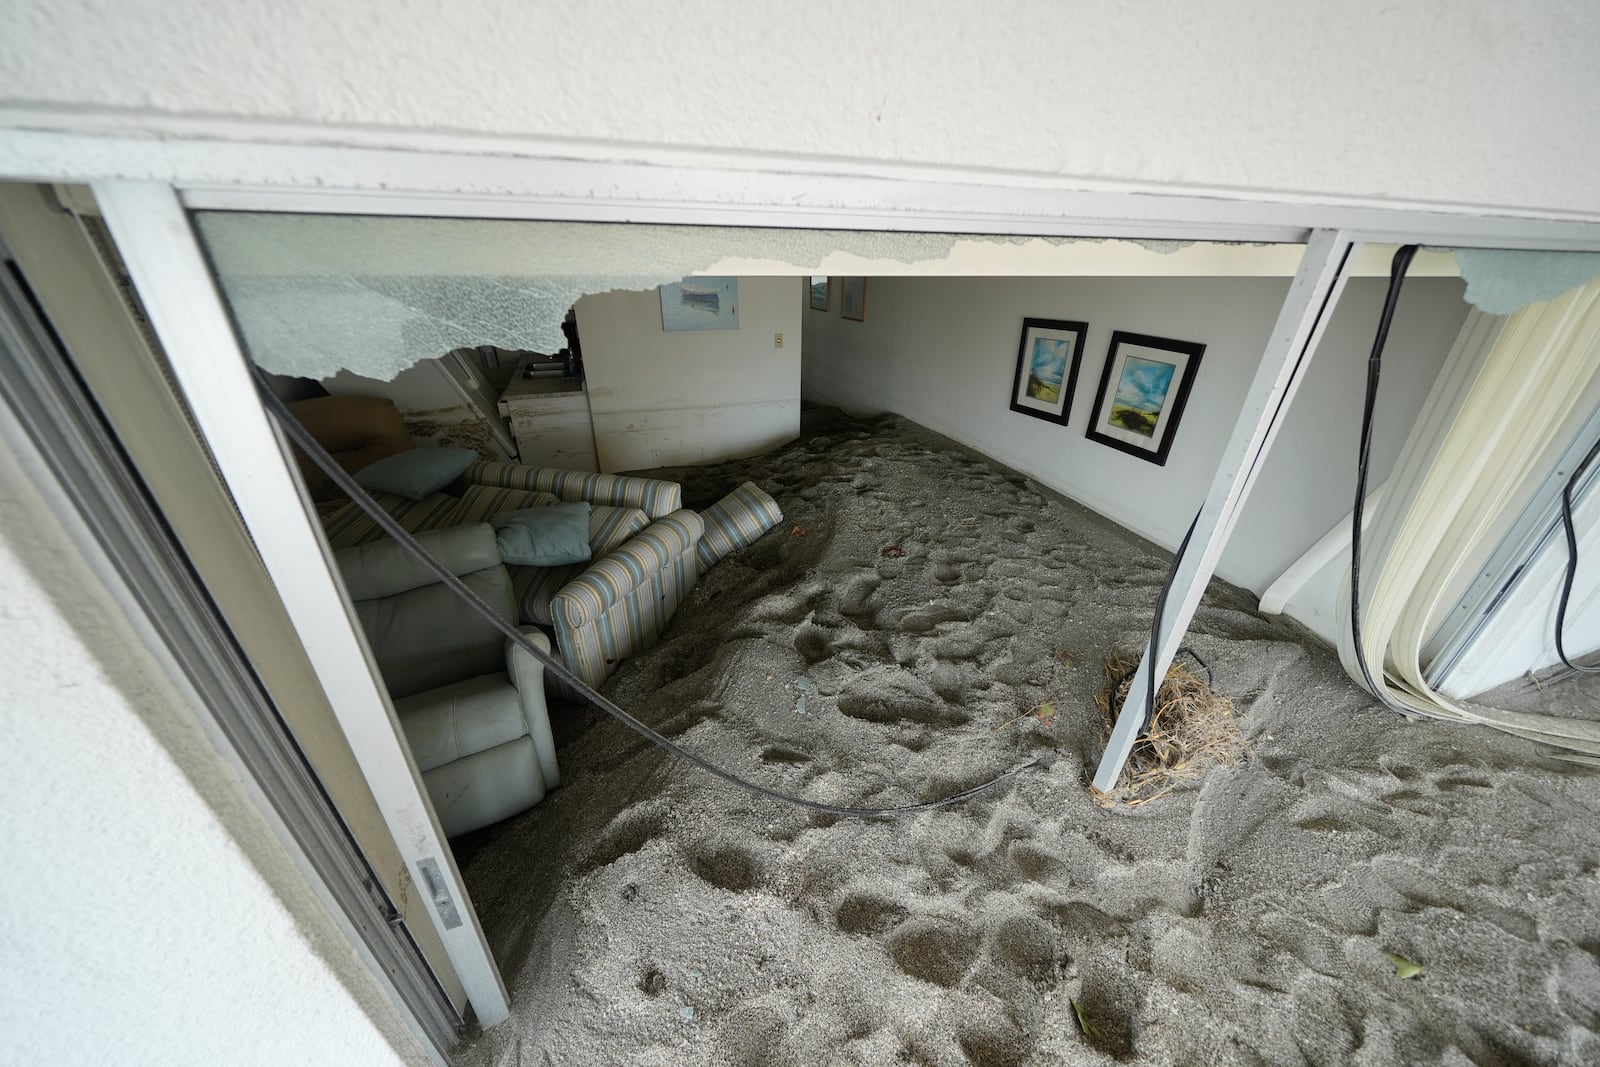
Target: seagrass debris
x=1194 y=729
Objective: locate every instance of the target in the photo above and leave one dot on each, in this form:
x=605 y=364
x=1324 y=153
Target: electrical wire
x=1155 y=628
x=1192 y=654
x=348 y=485
x=1572 y=562
x=1397 y=277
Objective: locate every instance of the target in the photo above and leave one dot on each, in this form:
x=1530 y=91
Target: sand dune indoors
x=916 y=596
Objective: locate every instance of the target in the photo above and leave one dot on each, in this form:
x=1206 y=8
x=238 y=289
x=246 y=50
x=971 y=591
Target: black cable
x=1397 y=277
x=1572 y=562
x=1192 y=654
x=1172 y=572
x=348 y=485
x=1122 y=679
x=1155 y=626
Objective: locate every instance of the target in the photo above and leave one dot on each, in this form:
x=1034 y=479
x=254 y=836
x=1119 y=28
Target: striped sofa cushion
x=736 y=521
x=607 y=581
x=480 y=502
x=651 y=495
x=620 y=606
x=609 y=529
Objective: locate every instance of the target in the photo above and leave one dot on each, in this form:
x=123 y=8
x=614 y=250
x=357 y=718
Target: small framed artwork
x=1142 y=392
x=821 y=290
x=700 y=304
x=853 y=298
x=1047 y=368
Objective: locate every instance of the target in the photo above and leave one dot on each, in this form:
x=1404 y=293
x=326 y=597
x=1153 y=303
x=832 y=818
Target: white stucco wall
x=1463 y=102
x=942 y=351
x=696 y=396
x=149 y=917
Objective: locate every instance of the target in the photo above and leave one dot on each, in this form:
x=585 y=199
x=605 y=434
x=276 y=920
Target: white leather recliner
x=471 y=703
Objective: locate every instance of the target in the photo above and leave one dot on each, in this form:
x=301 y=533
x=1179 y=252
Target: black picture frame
x=1122 y=419
x=1027 y=396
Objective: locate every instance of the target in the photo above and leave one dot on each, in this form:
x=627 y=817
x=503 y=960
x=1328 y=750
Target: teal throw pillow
x=549 y=536
x=416 y=473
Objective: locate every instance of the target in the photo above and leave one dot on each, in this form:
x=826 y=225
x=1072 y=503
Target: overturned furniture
x=642 y=544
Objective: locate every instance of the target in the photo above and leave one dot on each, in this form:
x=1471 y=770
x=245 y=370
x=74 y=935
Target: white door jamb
x=1301 y=322
x=153 y=234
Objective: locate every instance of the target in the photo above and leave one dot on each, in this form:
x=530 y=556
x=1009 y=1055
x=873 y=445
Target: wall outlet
x=777 y=340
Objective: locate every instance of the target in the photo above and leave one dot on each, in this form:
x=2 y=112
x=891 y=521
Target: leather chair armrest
x=527 y=675
x=384 y=568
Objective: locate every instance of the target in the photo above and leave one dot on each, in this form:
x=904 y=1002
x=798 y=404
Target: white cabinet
x=550 y=419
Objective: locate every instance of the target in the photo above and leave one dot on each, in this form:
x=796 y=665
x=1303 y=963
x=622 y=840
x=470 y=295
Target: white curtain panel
x=1495 y=421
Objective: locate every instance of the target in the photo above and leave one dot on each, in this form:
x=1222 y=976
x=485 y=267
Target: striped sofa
x=642 y=544
x=646 y=553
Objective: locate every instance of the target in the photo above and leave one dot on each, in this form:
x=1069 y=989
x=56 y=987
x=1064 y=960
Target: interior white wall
x=151 y=917
x=666 y=398
x=942 y=351
x=1289 y=99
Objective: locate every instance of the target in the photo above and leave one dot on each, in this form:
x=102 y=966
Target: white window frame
x=145 y=185
x=164 y=259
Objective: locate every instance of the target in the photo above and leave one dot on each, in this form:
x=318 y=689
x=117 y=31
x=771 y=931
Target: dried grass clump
x=1194 y=729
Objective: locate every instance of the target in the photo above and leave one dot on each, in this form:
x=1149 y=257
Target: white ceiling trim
x=449 y=176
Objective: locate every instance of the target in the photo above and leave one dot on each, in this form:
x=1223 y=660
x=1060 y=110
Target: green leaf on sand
x=1083 y=1020
x=1046 y=712
x=1404 y=968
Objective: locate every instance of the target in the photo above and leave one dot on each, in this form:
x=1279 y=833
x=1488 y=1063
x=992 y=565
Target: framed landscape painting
x=1047 y=368
x=1142 y=392
x=700 y=304
x=821 y=290
x=853 y=298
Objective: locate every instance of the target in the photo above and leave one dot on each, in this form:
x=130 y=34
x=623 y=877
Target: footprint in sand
x=1038 y=865
x=1028 y=946
x=731 y=867
x=995 y=1042
x=864 y=913
x=1324 y=1020
x=855 y=599
x=813 y=642
x=1423 y=890
x=924 y=619
x=629 y=832
x=652 y=982
x=934 y=950
x=896 y=695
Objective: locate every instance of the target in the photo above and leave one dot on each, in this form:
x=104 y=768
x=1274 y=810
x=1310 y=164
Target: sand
x=917 y=595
